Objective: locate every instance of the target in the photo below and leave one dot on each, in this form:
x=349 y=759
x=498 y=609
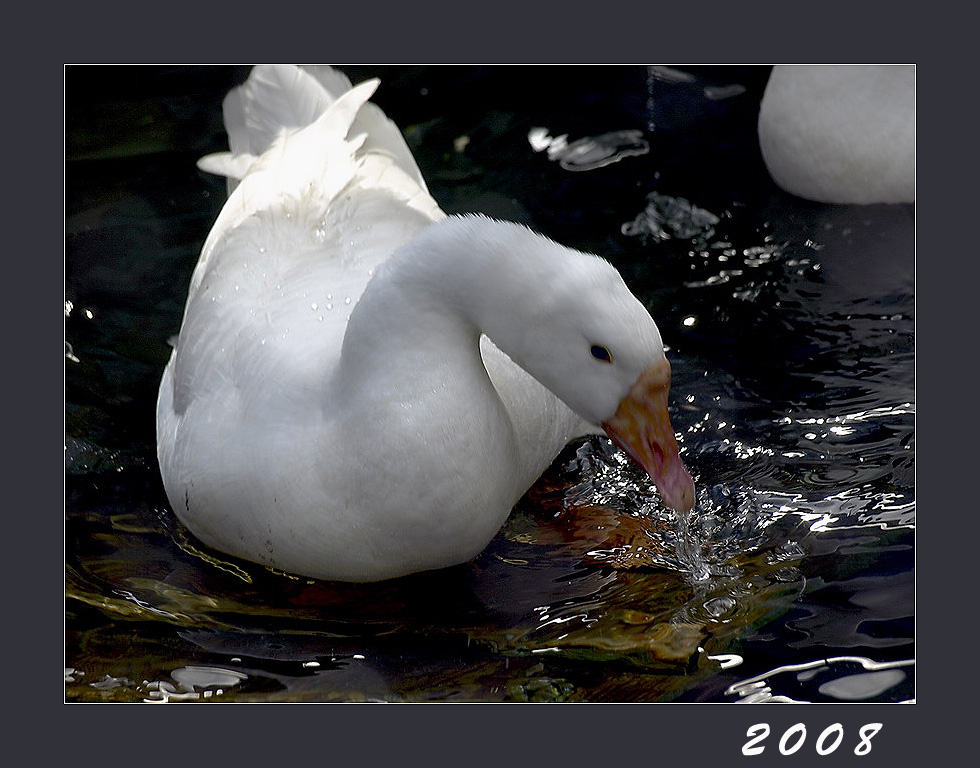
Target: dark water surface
x=790 y=328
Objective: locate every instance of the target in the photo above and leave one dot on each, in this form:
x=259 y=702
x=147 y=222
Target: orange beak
x=641 y=427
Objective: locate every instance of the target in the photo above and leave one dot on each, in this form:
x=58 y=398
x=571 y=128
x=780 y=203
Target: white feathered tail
x=285 y=98
x=306 y=131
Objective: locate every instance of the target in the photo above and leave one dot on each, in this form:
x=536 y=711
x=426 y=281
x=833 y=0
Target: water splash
x=689 y=551
x=667 y=217
x=727 y=522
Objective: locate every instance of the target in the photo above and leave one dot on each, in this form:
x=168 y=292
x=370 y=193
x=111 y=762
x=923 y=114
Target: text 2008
x=793 y=739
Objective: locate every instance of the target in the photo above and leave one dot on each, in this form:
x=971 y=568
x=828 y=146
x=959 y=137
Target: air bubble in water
x=719 y=606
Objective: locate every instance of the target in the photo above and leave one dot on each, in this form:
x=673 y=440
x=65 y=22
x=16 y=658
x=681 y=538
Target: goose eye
x=601 y=353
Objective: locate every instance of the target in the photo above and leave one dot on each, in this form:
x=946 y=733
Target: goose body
x=841 y=134
x=363 y=387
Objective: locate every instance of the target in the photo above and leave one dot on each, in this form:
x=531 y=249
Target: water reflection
x=832 y=679
x=590 y=152
x=193 y=682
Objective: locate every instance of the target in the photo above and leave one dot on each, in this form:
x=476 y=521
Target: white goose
x=841 y=134
x=332 y=406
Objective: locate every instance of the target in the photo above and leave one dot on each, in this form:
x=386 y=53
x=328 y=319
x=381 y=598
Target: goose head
x=606 y=361
x=569 y=319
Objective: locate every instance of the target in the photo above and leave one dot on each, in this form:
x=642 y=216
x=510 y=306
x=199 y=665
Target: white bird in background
x=841 y=134
x=363 y=387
